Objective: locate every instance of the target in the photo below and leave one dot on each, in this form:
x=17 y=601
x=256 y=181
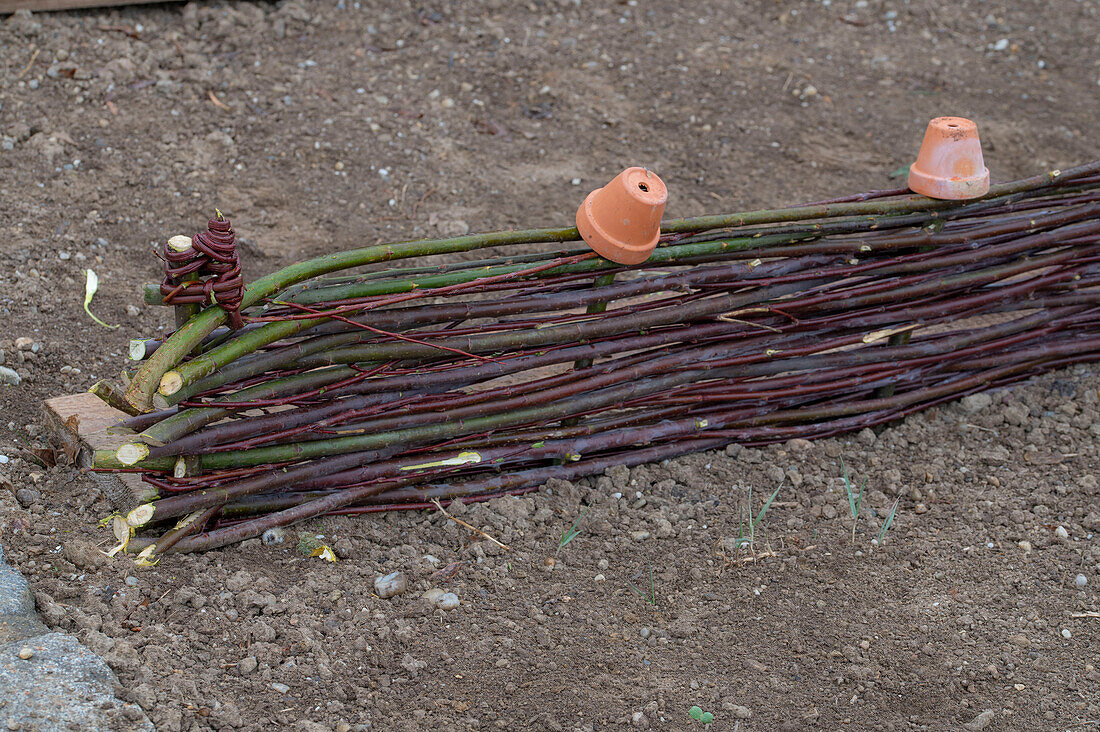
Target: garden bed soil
x=326 y=126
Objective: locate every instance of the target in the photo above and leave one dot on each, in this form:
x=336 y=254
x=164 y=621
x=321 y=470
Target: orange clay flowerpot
x=622 y=220
x=950 y=164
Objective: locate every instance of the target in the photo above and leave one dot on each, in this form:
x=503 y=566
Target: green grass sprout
x=650 y=597
x=854 y=501
x=888 y=522
x=571 y=533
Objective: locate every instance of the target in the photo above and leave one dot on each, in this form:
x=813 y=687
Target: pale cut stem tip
x=180 y=469
x=189 y=519
x=137 y=349
x=145 y=557
x=179 y=243
x=170 y=383
x=141 y=515
x=122 y=530
x=131 y=453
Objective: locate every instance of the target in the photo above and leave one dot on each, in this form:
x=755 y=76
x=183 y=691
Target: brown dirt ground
x=321 y=126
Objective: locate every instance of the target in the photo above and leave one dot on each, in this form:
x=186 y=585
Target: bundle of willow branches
x=389 y=389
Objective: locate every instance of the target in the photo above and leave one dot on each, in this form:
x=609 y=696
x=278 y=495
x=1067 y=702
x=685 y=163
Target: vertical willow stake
x=593 y=309
x=180 y=243
x=898 y=339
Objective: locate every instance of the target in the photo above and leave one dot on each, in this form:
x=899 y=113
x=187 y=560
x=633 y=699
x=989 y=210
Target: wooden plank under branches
x=78 y=423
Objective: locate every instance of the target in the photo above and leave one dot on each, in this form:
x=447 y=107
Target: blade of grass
x=571 y=533
x=854 y=501
x=889 y=520
x=651 y=597
x=766 y=506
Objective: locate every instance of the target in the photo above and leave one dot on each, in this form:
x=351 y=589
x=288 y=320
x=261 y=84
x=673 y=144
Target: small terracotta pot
x=950 y=164
x=622 y=220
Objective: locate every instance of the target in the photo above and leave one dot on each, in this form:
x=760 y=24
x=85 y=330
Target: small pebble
x=448 y=601
x=131 y=581
x=1061 y=532
x=281 y=688
x=26 y=653
x=1081 y=580
x=27 y=497
x=391 y=585
x=1066 y=633
x=273 y=536
x=984 y=719
x=9 y=376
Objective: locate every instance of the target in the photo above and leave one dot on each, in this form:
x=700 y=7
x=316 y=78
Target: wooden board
x=41 y=6
x=79 y=423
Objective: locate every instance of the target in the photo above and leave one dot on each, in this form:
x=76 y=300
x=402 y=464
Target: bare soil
x=321 y=126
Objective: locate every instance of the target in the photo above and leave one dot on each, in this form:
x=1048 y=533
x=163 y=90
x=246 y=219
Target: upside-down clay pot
x=622 y=220
x=950 y=164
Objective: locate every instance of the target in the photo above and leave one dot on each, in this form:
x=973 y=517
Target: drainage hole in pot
x=644 y=187
x=952 y=125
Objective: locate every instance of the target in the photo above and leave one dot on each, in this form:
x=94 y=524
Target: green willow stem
x=189 y=420
x=179 y=505
x=758 y=365
x=257 y=363
x=184 y=422
x=107 y=460
x=216 y=359
x=585 y=330
x=569 y=471
x=112 y=397
x=147 y=380
x=205 y=364
x=594 y=309
x=537 y=476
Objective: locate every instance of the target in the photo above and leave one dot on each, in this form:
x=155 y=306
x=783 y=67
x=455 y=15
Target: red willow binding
x=213 y=254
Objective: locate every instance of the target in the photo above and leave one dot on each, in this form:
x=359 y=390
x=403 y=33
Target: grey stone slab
x=63 y=686
x=17 y=616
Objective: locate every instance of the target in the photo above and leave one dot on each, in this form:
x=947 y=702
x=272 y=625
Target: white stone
x=391 y=585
